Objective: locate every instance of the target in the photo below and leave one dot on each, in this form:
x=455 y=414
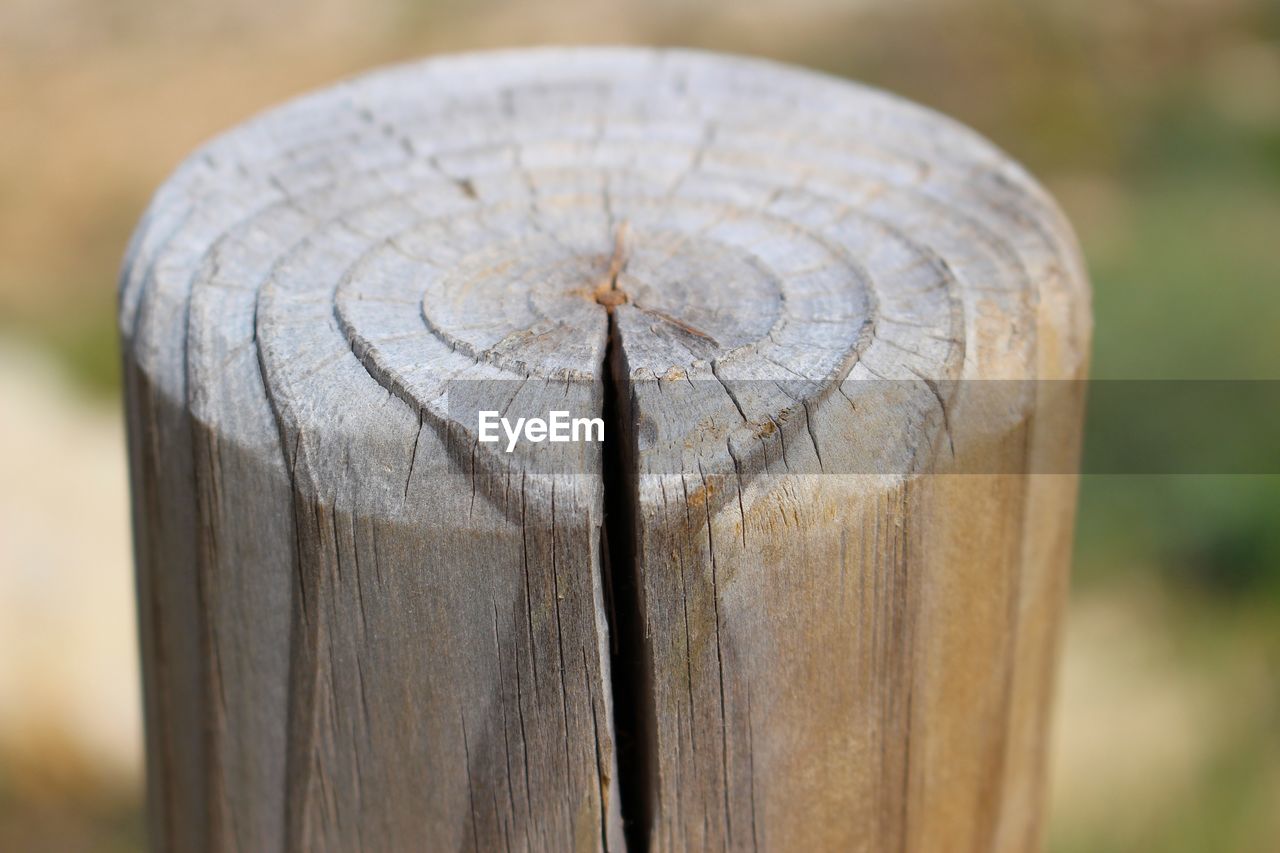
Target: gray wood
x=829 y=569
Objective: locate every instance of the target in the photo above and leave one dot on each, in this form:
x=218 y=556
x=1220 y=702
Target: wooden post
x=803 y=597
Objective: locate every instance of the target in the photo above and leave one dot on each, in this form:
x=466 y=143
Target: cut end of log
x=367 y=624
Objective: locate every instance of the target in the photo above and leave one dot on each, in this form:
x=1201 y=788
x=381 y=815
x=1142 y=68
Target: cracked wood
x=806 y=599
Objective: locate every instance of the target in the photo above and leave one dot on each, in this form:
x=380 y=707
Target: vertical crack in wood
x=633 y=718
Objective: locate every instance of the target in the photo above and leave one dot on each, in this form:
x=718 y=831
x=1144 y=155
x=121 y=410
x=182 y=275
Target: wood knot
x=609 y=296
x=607 y=292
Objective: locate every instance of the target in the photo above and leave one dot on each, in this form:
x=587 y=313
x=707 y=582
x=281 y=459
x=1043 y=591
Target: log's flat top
x=491 y=216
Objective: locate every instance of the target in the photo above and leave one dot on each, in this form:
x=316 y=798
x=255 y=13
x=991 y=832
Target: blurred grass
x=1156 y=124
x=1198 y=768
x=67 y=807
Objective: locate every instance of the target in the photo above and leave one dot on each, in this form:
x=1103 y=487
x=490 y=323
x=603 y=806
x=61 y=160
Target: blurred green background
x=1156 y=124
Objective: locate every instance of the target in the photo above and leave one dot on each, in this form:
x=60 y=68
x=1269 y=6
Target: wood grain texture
x=829 y=574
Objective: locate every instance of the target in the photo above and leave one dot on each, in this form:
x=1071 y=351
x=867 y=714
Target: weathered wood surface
x=364 y=630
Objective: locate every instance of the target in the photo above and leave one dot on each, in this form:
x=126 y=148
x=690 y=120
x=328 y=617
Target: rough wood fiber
x=364 y=630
